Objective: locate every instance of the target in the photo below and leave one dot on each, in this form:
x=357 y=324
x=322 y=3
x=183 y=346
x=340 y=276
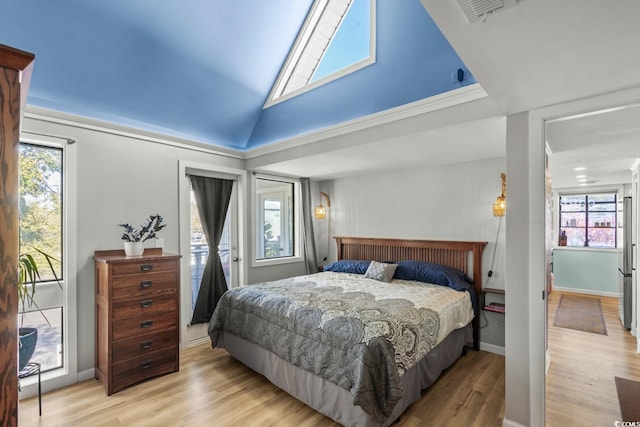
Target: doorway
x=194 y=247
x=591 y=157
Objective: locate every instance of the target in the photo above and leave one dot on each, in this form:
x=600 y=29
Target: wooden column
x=15 y=75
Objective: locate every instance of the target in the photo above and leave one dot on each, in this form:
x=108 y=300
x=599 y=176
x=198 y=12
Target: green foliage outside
x=41 y=206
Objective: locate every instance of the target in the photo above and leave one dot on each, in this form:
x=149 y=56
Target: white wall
x=451 y=202
x=119 y=179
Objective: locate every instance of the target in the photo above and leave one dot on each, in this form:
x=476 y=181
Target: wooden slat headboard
x=464 y=256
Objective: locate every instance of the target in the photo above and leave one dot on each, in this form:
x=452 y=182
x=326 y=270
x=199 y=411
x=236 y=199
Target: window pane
x=41 y=206
x=602 y=237
x=274 y=219
x=589 y=219
x=49 y=344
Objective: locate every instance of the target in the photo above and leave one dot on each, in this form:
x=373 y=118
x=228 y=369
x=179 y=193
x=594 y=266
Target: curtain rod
x=65 y=138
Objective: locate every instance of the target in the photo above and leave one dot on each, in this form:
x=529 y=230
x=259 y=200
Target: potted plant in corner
x=134 y=238
x=28 y=277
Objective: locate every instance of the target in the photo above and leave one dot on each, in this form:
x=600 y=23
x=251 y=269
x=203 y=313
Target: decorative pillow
x=348 y=266
x=380 y=271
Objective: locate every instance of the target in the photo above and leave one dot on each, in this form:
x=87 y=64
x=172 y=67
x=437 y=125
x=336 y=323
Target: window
x=276 y=219
x=589 y=220
x=336 y=39
x=41 y=213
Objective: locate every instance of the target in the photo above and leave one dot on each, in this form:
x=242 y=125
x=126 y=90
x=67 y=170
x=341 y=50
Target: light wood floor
x=213 y=389
x=580 y=387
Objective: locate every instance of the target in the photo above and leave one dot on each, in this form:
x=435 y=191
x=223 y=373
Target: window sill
x=276 y=261
x=587 y=248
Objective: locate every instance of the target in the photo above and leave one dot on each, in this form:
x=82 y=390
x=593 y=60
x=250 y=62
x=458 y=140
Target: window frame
x=296 y=216
x=615 y=212
x=275 y=94
x=49 y=294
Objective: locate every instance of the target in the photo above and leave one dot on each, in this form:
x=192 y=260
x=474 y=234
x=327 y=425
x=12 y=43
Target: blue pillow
x=348 y=266
x=437 y=274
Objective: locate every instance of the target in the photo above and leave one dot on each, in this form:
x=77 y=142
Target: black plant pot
x=28 y=340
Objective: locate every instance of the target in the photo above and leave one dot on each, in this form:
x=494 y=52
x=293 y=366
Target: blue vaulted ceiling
x=202 y=69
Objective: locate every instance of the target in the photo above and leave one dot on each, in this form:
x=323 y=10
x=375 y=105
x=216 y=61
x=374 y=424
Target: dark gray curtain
x=307 y=227
x=212 y=198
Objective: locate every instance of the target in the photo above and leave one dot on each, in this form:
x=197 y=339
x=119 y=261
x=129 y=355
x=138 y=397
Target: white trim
x=58 y=117
x=492 y=348
x=508 y=423
x=199 y=341
x=635 y=164
x=547 y=357
x=451 y=98
x=184 y=234
x=297 y=50
x=88 y=374
x=537 y=318
x=66 y=375
x=297 y=228
x=587 y=291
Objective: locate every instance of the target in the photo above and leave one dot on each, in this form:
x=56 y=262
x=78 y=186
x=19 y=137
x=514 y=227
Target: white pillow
x=380 y=271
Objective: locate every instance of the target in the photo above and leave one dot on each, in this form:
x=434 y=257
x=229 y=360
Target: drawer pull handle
x=146 y=284
x=146 y=364
x=146 y=324
x=146 y=344
x=146 y=267
x=146 y=303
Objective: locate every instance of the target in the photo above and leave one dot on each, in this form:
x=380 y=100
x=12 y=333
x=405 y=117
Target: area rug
x=628 y=392
x=580 y=313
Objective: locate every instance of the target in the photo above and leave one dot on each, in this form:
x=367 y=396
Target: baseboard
x=491 y=348
x=509 y=423
x=86 y=375
x=547 y=358
x=199 y=341
x=588 y=292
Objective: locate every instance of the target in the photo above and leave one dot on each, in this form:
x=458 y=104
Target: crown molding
x=67 y=119
x=437 y=102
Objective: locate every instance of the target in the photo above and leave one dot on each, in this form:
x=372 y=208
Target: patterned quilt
x=358 y=333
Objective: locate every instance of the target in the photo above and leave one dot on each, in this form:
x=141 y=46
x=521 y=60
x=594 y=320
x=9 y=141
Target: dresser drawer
x=146 y=284
x=143 y=325
x=143 y=367
x=146 y=344
x=144 y=267
x=141 y=305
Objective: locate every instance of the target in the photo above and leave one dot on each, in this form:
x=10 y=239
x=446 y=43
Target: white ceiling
x=535 y=54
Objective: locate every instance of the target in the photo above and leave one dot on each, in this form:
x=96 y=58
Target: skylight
x=337 y=38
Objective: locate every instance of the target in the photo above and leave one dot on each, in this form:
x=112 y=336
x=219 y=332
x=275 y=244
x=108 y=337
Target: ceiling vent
x=476 y=10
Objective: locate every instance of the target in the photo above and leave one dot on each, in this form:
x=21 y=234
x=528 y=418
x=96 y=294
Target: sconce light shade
x=500 y=205
x=320 y=211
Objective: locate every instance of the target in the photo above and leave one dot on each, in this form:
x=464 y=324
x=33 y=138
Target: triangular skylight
x=337 y=38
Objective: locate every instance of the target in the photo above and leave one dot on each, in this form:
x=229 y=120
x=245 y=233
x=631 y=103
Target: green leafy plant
x=147 y=231
x=29 y=276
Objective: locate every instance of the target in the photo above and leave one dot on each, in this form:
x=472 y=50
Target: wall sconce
x=321 y=211
x=500 y=205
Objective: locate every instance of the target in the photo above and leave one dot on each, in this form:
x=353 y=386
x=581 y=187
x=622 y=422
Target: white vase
x=133 y=248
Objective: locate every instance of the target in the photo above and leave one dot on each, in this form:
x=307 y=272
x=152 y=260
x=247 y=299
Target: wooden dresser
x=137 y=316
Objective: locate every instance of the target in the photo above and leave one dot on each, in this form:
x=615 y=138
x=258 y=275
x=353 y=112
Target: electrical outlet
x=501 y=322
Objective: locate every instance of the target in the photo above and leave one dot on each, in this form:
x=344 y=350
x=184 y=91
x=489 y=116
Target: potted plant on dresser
x=28 y=277
x=134 y=238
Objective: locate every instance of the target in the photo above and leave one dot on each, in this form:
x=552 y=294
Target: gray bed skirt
x=334 y=401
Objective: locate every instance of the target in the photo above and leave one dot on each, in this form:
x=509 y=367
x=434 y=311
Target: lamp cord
x=493 y=258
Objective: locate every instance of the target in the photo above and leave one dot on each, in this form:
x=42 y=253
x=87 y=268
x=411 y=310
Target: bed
x=350 y=343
